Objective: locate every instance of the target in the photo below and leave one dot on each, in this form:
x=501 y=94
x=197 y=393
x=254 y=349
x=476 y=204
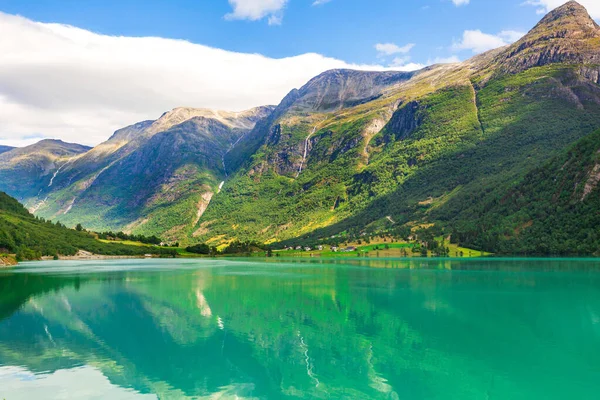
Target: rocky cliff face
x=291 y=132
x=337 y=89
x=404 y=122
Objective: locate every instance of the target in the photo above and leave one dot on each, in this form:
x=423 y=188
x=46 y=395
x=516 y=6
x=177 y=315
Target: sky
x=78 y=70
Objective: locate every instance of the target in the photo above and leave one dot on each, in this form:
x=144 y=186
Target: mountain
x=419 y=148
x=351 y=153
x=566 y=35
x=30 y=238
x=4 y=149
x=153 y=177
x=25 y=172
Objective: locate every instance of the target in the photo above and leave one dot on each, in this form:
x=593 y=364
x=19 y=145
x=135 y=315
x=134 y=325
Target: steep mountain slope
x=24 y=172
x=420 y=147
x=562 y=194
x=30 y=238
x=326 y=93
x=154 y=177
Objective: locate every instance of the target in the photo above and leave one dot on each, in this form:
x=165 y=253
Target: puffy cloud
x=388 y=49
x=478 y=42
x=255 y=10
x=459 y=3
x=320 y=2
x=401 y=60
x=544 y=6
x=59 y=81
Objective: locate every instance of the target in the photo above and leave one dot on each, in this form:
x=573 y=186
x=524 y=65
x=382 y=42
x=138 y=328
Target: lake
x=251 y=328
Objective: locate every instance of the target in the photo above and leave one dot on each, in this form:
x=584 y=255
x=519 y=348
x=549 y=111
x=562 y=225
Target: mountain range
x=492 y=152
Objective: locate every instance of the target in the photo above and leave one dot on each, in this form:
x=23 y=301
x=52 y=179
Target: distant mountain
x=155 y=177
x=4 y=149
x=26 y=171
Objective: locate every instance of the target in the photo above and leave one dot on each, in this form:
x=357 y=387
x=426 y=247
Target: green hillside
x=30 y=237
x=554 y=209
x=425 y=149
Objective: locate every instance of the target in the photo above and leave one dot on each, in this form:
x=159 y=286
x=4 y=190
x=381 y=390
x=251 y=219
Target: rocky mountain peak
x=241 y=120
x=565 y=35
x=570 y=10
x=52 y=147
x=340 y=88
x=569 y=20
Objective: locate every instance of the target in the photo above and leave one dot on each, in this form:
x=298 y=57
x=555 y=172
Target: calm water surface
x=219 y=329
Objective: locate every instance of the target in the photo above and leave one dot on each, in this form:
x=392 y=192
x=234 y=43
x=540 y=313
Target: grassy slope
x=472 y=142
x=30 y=237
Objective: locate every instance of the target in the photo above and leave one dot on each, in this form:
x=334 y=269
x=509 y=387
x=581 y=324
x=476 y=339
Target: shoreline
x=90 y=258
x=7 y=261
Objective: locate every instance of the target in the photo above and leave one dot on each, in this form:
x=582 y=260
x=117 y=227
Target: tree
x=79 y=228
x=198 y=249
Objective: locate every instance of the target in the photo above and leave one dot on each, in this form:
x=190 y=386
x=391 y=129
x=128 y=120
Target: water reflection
x=440 y=329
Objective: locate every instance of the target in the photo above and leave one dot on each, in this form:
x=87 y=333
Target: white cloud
x=459 y=3
x=511 y=36
x=401 y=60
x=275 y=19
x=399 y=64
x=320 y=2
x=444 y=60
x=544 y=6
x=478 y=42
x=255 y=10
x=388 y=49
x=59 y=81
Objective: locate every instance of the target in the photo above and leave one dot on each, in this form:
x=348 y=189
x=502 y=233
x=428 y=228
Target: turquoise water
x=354 y=329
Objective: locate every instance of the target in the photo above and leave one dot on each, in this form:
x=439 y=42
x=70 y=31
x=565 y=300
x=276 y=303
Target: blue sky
x=343 y=29
x=78 y=70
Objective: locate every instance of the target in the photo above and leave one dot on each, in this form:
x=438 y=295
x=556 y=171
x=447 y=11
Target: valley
x=466 y=151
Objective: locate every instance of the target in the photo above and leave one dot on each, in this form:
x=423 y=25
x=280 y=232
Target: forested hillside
x=554 y=209
x=30 y=237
